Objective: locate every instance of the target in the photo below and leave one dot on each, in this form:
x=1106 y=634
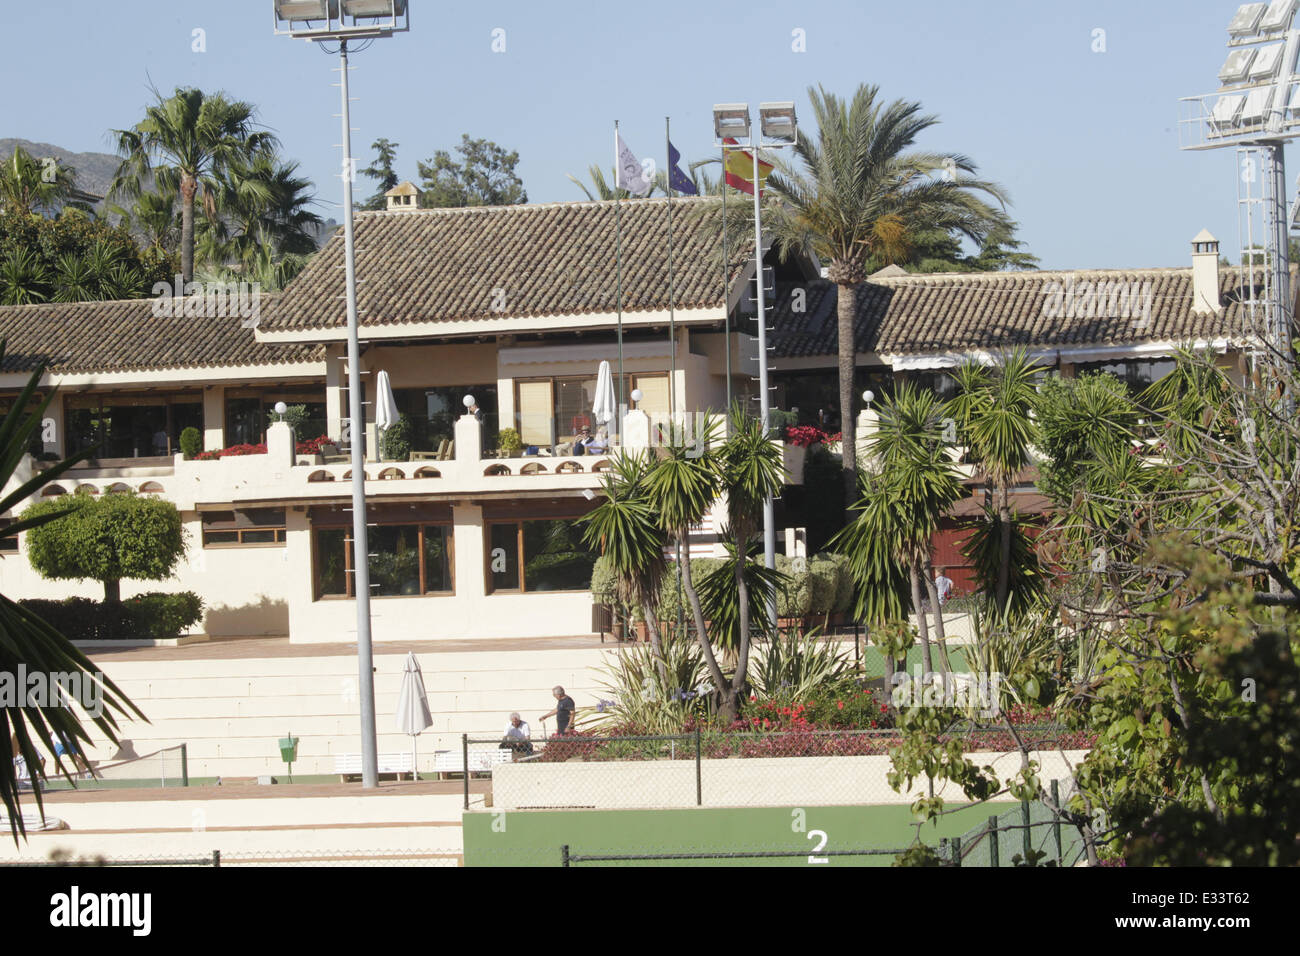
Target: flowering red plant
x=801 y=436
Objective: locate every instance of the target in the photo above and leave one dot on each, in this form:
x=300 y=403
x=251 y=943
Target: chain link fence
x=714 y=769
x=1032 y=834
x=406 y=856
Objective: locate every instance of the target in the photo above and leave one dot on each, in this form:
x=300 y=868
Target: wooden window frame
x=279 y=531
x=349 y=571
x=519 y=523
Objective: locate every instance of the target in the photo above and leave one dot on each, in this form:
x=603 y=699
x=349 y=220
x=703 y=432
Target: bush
x=294 y=415
x=152 y=616
x=191 y=442
x=509 y=441
x=794 y=599
x=395 y=440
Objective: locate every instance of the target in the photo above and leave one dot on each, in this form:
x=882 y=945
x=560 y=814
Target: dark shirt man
x=563 y=711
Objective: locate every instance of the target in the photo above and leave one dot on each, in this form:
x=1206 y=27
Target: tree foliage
x=484 y=176
x=106 y=539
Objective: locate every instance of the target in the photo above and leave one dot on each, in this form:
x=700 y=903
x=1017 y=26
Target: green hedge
x=152 y=616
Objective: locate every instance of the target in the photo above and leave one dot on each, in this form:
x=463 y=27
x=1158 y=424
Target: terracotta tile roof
x=920 y=314
x=124 y=335
x=445 y=265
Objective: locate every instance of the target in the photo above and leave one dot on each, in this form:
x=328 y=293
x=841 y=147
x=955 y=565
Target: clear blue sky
x=1086 y=142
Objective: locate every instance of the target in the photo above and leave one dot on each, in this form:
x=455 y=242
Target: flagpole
x=726 y=279
x=672 y=315
x=618 y=258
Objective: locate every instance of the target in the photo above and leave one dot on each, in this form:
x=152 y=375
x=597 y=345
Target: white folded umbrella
x=386 y=413
x=413 y=705
x=603 y=407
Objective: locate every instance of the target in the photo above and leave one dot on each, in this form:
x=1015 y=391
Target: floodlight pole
x=764 y=405
x=1275 y=172
x=356 y=428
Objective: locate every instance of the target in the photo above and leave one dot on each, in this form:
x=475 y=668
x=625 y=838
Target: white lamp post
x=778 y=129
x=341 y=21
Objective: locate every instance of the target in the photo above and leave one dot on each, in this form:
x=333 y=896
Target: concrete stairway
x=231 y=712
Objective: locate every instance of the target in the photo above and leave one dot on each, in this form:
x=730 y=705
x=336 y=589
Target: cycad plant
x=993 y=408
x=625 y=529
x=913 y=486
x=27 y=642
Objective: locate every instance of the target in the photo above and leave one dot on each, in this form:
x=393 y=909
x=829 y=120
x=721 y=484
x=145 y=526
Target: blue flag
x=677 y=179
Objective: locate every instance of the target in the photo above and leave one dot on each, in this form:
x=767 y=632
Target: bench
x=480 y=761
x=349 y=765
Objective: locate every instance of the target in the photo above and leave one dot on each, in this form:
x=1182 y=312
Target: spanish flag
x=740 y=169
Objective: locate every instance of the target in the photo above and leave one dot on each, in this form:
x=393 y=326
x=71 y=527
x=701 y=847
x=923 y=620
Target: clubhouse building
x=516 y=307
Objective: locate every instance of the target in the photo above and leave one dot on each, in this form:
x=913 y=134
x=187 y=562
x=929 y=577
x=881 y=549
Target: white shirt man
x=942 y=585
x=517 y=729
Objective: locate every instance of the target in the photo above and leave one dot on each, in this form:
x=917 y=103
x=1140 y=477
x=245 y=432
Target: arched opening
x=427 y=472
x=495 y=471
x=569 y=468
x=321 y=475
x=151 y=488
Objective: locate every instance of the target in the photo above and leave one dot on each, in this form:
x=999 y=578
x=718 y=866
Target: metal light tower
x=1256 y=110
x=341 y=21
x=778 y=129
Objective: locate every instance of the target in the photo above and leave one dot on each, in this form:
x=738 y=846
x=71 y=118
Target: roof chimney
x=1205 y=274
x=403 y=197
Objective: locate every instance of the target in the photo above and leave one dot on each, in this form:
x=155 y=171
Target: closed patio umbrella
x=603 y=406
x=386 y=413
x=413 y=705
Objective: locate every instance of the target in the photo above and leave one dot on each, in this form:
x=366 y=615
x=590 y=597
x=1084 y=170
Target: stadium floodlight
x=1267 y=61
x=341 y=19
x=1224 y=115
x=1256 y=106
x=777 y=121
x=1246 y=22
x=1278 y=17
x=327 y=21
x=731 y=121
x=1236 y=69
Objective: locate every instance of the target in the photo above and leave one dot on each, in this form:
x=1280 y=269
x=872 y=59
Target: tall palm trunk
x=189 y=186
x=656 y=640
x=742 y=656
x=846 y=302
x=697 y=611
x=940 y=633
x=922 y=627
x=1004 y=543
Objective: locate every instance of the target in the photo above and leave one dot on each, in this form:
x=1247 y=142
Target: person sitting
x=580 y=441
x=599 y=444
x=517 y=736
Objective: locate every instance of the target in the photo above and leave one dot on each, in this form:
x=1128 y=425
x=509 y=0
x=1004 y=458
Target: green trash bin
x=289 y=752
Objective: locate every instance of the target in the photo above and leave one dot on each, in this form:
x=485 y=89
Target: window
x=36 y=445
x=405 y=560
x=553 y=410
x=250 y=527
x=432 y=412
x=130 y=426
x=250 y=411
x=8 y=544
x=549 y=555
x=1137 y=374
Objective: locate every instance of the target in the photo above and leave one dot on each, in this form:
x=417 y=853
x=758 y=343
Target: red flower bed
x=310 y=447
x=804 y=435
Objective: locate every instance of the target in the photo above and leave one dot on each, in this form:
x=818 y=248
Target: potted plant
x=511 y=446
x=191 y=442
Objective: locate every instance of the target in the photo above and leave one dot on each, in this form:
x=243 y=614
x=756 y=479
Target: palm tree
x=913 y=483
x=24 y=280
x=259 y=202
x=993 y=408
x=860 y=194
x=183 y=143
x=28 y=642
x=625 y=528
x=683 y=486
x=29 y=185
x=154 y=218
x=751 y=471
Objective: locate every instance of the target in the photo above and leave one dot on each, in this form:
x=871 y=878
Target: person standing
x=942 y=585
x=563 y=712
